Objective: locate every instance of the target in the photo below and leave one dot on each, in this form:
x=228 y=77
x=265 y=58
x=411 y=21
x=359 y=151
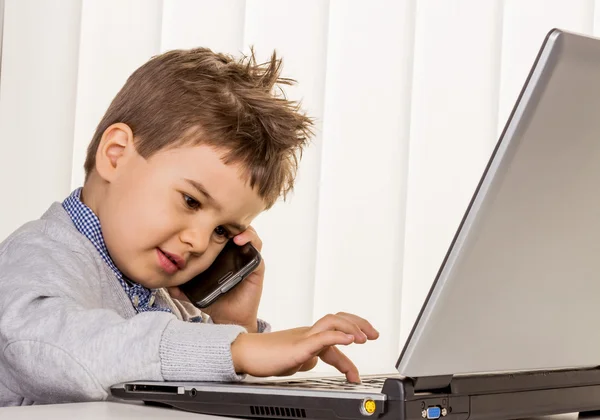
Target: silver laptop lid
x=519 y=288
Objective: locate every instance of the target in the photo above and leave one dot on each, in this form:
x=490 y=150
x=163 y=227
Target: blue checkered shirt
x=89 y=225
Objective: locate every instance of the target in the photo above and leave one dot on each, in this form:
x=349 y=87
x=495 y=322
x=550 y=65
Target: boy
x=190 y=151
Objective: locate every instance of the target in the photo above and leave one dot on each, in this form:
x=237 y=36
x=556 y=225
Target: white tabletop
x=126 y=411
x=97 y=411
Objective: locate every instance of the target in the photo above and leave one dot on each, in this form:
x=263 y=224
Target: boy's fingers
x=249 y=235
x=338 y=323
x=314 y=344
x=309 y=365
x=363 y=324
x=176 y=293
x=334 y=357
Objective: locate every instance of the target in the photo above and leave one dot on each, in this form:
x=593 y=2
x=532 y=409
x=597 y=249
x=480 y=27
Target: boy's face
x=165 y=219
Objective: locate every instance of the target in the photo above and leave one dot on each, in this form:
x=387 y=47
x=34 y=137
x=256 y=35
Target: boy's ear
x=115 y=148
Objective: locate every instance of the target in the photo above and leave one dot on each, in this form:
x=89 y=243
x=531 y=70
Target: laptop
x=511 y=325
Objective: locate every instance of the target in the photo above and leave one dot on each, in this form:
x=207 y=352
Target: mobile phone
x=233 y=264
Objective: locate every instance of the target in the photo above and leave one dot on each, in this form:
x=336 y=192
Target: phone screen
x=230 y=267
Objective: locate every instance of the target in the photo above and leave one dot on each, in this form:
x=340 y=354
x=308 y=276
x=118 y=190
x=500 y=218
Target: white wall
x=410 y=96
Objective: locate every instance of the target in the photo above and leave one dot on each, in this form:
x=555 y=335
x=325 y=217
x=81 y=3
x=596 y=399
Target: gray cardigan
x=68 y=331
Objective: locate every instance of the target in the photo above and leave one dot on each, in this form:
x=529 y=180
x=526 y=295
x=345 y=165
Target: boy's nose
x=197 y=239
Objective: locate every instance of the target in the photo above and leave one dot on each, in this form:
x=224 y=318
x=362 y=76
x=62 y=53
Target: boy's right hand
x=284 y=353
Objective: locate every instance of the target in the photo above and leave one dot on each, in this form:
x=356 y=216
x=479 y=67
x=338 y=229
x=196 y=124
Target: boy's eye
x=190 y=202
x=221 y=231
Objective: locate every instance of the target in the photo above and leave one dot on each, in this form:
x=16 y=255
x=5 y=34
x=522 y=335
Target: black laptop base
x=259 y=406
x=485 y=397
x=500 y=396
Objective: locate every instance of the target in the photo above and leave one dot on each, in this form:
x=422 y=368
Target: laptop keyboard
x=333 y=383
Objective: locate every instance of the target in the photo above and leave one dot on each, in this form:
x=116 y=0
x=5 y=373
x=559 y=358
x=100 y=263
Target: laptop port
x=368 y=407
x=155 y=389
x=433 y=413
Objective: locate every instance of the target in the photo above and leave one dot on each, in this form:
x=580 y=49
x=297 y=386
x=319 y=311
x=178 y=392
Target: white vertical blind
x=288 y=231
x=1 y=27
x=37 y=106
x=409 y=98
x=361 y=200
x=452 y=128
x=596 y=17
x=116 y=38
x=218 y=25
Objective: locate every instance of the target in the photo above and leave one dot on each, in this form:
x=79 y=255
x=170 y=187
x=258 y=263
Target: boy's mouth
x=170 y=262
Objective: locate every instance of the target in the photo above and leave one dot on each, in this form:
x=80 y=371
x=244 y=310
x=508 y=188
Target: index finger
x=334 y=357
x=323 y=345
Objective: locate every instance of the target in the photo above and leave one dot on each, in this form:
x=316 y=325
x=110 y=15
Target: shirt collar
x=88 y=224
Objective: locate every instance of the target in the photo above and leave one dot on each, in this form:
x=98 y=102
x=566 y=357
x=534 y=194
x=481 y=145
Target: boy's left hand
x=239 y=306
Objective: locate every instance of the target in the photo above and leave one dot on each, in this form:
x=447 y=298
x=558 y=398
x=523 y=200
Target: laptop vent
x=267 y=411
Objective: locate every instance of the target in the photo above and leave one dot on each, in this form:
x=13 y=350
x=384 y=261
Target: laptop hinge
x=434 y=384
